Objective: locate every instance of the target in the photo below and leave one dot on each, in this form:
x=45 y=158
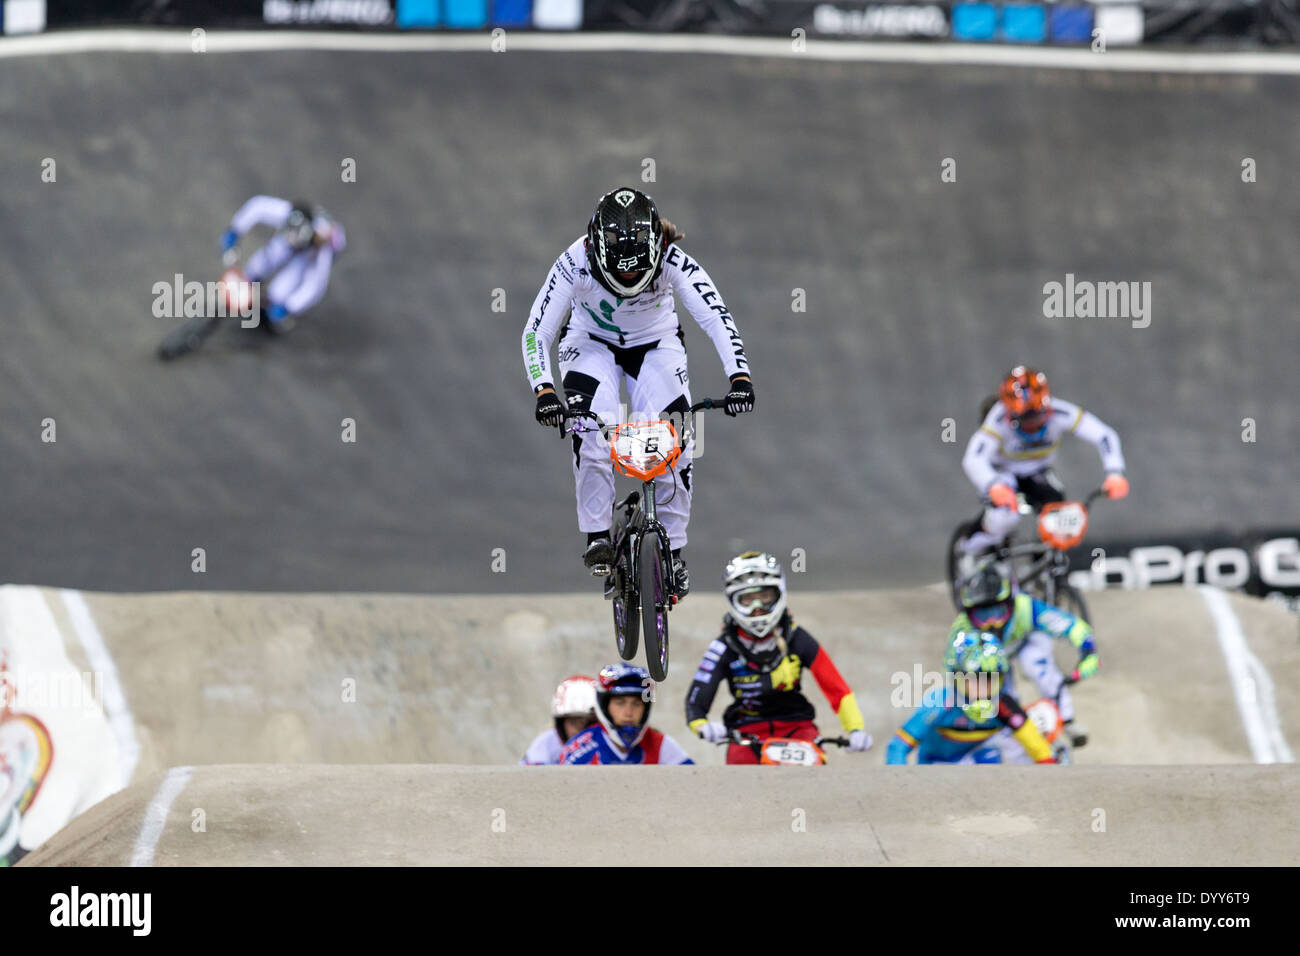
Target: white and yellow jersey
x=998 y=448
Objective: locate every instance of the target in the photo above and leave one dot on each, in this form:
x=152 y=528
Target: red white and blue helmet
x=623 y=680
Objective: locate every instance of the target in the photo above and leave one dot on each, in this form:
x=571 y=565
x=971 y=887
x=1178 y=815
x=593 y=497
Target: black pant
x=1041 y=488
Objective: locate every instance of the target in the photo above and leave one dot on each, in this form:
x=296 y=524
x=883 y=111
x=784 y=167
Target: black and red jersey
x=772 y=693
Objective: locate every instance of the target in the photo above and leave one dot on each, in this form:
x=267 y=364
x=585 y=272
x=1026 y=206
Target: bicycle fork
x=640 y=517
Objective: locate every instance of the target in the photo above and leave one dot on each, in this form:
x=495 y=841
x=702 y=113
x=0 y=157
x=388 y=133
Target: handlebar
x=740 y=737
x=567 y=415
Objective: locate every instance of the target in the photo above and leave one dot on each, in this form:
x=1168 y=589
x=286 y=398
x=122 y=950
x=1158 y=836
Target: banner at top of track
x=1098 y=25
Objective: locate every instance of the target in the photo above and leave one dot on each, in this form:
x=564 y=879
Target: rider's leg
x=993 y=530
x=1004 y=741
x=313 y=278
x=984 y=753
x=1042 y=487
x=268 y=259
x=661 y=388
x=744 y=753
x=796 y=730
x=1036 y=660
x=591 y=380
x=996 y=523
x=278 y=291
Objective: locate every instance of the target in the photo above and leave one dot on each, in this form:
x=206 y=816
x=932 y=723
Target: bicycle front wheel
x=1070 y=600
x=187 y=338
x=626 y=600
x=955 y=554
x=655 y=564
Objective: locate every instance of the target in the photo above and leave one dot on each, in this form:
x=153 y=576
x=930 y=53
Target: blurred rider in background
x=762 y=655
x=294 y=265
x=959 y=721
x=1026 y=628
x=624 y=695
x=573 y=709
x=1014 y=448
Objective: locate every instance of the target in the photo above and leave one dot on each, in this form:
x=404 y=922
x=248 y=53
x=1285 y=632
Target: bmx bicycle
x=640 y=581
x=236 y=299
x=1037 y=567
x=1046 y=715
x=785 y=751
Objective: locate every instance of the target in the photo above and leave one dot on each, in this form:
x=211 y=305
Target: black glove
x=550 y=410
x=741 y=397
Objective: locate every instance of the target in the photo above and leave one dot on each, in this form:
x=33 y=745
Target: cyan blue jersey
x=592 y=746
x=1029 y=615
x=941 y=732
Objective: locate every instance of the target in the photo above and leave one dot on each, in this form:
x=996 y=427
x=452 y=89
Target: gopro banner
x=1263 y=563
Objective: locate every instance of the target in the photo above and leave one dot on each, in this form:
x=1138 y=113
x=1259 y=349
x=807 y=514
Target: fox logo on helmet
x=624 y=197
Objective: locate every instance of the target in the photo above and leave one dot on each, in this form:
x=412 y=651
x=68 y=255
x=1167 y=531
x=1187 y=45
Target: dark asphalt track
x=475 y=170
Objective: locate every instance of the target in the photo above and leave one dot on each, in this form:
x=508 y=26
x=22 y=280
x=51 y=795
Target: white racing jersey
x=572 y=294
x=997 y=448
x=544 y=750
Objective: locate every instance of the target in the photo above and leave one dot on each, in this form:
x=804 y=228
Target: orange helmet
x=1025 y=396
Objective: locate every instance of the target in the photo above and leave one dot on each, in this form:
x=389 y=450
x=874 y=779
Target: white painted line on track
x=155 y=815
x=116 y=708
x=1251 y=684
x=180 y=40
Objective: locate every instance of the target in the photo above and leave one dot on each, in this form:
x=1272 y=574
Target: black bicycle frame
x=640 y=505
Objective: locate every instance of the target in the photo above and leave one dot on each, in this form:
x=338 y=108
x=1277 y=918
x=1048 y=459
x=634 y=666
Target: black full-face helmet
x=625 y=242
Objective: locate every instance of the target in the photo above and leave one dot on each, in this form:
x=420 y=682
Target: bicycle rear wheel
x=656 y=598
x=955 y=554
x=626 y=600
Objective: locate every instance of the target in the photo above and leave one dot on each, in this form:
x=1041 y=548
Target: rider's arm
x=836 y=688
x=981 y=451
x=1104 y=438
x=713 y=668
x=545 y=749
x=900 y=745
x=551 y=307
x=1062 y=624
x=702 y=300
x=338 y=239
x=1024 y=730
x=581 y=749
x=261 y=211
x=671 y=752
x=918 y=727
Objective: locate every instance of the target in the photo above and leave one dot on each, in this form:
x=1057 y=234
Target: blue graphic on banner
x=467 y=14
x=418 y=13
x=1071 y=24
x=512 y=13
x=974 y=21
x=1024 y=23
